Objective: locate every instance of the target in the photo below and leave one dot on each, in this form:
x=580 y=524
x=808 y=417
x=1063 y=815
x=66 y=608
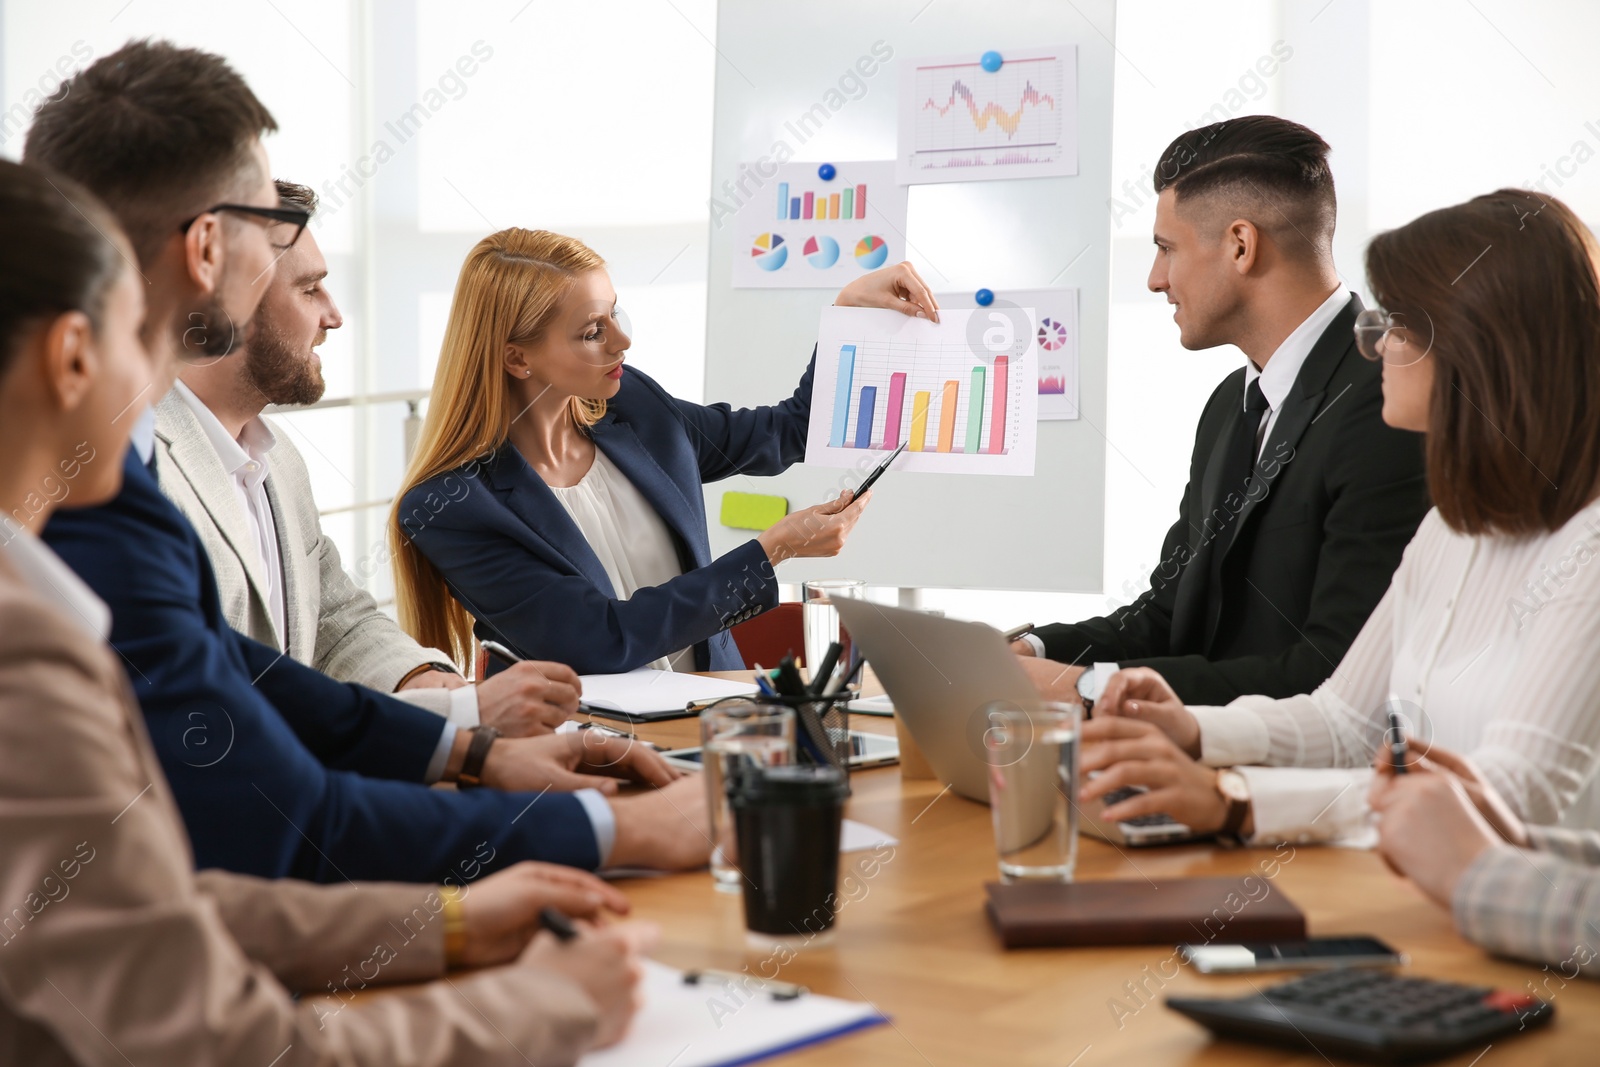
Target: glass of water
x=1033 y=775
x=737 y=735
x=820 y=618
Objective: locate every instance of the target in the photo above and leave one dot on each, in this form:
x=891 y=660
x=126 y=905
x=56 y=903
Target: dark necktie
x=1238 y=466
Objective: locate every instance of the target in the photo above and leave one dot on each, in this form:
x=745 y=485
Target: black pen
x=824 y=671
x=1397 y=743
x=553 y=920
x=878 y=471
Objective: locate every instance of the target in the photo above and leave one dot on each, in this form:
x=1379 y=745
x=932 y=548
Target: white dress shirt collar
x=1278 y=376
x=144 y=434
x=53 y=580
x=245 y=458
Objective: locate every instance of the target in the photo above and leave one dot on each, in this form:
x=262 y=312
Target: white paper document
x=962 y=123
x=961 y=392
x=716 y=1025
x=859 y=837
x=793 y=229
x=646 y=691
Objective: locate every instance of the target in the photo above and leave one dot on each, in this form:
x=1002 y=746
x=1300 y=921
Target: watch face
x=1232 y=785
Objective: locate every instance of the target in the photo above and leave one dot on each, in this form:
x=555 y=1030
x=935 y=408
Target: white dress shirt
x=245 y=460
x=1283 y=367
x=628 y=537
x=1492 y=638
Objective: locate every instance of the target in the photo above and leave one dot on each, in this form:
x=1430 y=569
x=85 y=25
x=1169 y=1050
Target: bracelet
x=455 y=925
x=420 y=668
x=470 y=776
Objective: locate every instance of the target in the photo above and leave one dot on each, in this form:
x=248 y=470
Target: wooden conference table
x=913 y=940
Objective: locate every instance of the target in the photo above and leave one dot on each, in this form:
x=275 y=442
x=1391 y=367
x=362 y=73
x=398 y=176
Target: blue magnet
x=990 y=61
x=984 y=297
x=826 y=172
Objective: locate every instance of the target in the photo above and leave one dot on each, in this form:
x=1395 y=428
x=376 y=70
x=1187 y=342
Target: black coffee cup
x=787 y=820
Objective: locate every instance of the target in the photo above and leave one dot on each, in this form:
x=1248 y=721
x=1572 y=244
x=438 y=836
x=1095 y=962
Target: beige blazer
x=333 y=624
x=113 y=951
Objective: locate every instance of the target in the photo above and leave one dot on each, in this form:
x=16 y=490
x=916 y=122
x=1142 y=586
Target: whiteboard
x=776 y=65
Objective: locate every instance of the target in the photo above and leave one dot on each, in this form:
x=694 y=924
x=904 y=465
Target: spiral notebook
x=715 y=1025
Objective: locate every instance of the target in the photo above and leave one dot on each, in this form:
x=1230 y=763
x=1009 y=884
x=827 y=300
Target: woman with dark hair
x=1485 y=641
x=113 y=949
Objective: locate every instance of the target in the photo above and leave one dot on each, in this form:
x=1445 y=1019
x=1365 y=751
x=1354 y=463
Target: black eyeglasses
x=289 y=216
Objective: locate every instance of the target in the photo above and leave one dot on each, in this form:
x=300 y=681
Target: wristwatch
x=1235 y=789
x=471 y=774
x=1092 y=682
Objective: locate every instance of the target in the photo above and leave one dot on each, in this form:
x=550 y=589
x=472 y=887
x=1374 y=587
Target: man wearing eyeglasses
x=1300 y=500
x=242 y=483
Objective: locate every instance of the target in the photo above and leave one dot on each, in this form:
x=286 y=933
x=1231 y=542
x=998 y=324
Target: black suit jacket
x=1318 y=535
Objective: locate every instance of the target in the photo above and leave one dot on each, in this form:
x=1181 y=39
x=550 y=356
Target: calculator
x=1371 y=1016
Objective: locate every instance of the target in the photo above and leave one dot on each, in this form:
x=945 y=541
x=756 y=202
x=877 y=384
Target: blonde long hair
x=510 y=287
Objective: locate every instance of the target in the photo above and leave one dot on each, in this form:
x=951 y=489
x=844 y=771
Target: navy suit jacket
x=512 y=555
x=279 y=770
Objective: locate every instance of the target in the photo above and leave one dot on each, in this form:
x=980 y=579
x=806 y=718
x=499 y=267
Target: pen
x=557 y=923
x=763 y=683
x=500 y=652
x=1017 y=631
x=779 y=990
x=824 y=671
x=878 y=471
x=1397 y=742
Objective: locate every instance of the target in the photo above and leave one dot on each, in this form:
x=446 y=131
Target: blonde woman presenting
x=554 y=504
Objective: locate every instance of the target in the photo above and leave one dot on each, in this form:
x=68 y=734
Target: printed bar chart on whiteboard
x=962 y=123
x=961 y=395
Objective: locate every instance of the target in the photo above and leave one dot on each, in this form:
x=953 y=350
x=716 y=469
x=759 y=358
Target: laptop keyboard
x=1117 y=796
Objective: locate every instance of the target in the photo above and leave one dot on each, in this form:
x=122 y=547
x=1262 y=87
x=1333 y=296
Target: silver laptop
x=940 y=673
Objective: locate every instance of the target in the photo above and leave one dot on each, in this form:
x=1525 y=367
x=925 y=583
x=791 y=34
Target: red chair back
x=770 y=636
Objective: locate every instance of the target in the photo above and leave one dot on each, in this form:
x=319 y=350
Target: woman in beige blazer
x=112 y=949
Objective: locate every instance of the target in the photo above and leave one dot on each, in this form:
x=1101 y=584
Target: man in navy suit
x=279 y=770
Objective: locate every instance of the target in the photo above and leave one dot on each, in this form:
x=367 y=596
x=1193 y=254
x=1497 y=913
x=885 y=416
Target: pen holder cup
x=821 y=728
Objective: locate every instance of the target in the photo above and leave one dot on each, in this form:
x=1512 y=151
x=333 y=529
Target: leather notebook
x=1139 y=912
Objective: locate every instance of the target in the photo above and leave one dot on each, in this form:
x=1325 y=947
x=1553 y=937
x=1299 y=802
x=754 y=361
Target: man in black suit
x=1300 y=500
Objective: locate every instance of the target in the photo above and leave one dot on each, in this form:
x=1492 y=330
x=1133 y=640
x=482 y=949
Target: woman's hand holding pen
x=899 y=288
x=1432 y=759
x=816 y=531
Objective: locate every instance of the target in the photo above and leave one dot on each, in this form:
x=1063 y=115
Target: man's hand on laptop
x=1141 y=693
x=581 y=759
x=1054 y=681
x=529 y=698
x=1129 y=752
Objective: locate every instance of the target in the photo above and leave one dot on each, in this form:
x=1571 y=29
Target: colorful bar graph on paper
x=997 y=421
x=861 y=201
x=851 y=203
x=975 y=413
x=841 y=395
x=947 y=415
x=919 y=422
x=847 y=201
x=869 y=400
x=891 y=414
x=783 y=200
x=794 y=207
x=833 y=206
x=805 y=210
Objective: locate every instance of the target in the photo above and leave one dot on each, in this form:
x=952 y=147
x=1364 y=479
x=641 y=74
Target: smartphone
x=1318 y=954
x=866 y=750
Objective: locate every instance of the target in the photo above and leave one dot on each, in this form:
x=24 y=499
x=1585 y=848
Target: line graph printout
x=960 y=393
x=961 y=123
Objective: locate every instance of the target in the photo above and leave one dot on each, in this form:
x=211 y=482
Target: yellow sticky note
x=752 y=511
